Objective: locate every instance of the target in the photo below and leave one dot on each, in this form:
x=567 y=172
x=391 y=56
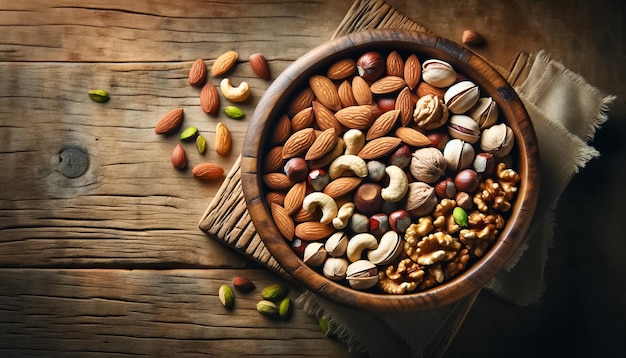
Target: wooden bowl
x=273 y=105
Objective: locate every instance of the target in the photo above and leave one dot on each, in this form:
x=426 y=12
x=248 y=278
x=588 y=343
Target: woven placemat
x=227 y=220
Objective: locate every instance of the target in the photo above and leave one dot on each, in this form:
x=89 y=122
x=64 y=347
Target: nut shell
x=362 y=275
x=461 y=96
x=438 y=73
x=421 y=199
x=463 y=127
x=497 y=140
x=485 y=112
x=428 y=164
x=459 y=154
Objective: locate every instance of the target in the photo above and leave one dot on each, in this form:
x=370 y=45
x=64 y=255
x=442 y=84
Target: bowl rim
x=474 y=67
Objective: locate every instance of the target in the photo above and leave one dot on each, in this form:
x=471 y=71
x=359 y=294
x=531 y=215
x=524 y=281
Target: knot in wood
x=73 y=162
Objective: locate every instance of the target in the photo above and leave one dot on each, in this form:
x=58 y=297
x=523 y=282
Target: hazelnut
x=367 y=198
x=467 y=180
x=445 y=189
x=438 y=139
x=359 y=223
x=464 y=200
x=379 y=224
x=401 y=157
x=318 y=179
x=386 y=104
x=298 y=246
x=371 y=66
x=375 y=170
x=484 y=163
x=399 y=220
x=296 y=169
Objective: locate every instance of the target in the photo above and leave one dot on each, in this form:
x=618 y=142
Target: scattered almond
x=412 y=137
x=277 y=181
x=169 y=122
x=325 y=118
x=209 y=98
x=260 y=66
x=298 y=143
x=274 y=160
x=295 y=197
x=207 y=171
x=382 y=125
x=243 y=284
x=324 y=143
x=282 y=131
x=357 y=117
x=197 y=73
x=405 y=104
x=179 y=158
x=222 y=139
x=224 y=63
x=472 y=38
x=345 y=94
x=341 y=186
x=302 y=119
x=301 y=101
x=313 y=231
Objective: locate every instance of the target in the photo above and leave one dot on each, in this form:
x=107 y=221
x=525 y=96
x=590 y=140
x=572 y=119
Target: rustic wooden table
x=100 y=251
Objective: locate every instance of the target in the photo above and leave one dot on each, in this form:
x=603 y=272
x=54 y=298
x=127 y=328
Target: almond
x=277 y=181
x=179 y=158
x=302 y=101
x=412 y=137
x=283 y=221
x=361 y=91
x=356 y=117
x=170 y=121
x=222 y=139
x=294 y=198
x=305 y=216
x=324 y=143
x=282 y=131
x=302 y=119
x=412 y=71
x=243 y=284
x=341 y=186
x=274 y=160
x=341 y=69
x=207 y=171
x=424 y=88
x=387 y=84
x=345 y=94
x=197 y=73
x=275 y=197
x=260 y=66
x=325 y=118
x=224 y=63
x=404 y=103
x=209 y=98
x=472 y=38
x=395 y=64
x=298 y=143
x=379 y=147
x=313 y=231
x=325 y=92
x=383 y=124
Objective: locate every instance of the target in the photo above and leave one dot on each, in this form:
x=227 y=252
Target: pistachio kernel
x=267 y=308
x=233 y=112
x=275 y=291
x=189 y=133
x=99 y=95
x=200 y=144
x=460 y=216
x=284 y=308
x=226 y=296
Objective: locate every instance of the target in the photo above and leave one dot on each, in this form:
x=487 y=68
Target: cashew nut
x=324 y=202
x=347 y=162
x=388 y=249
x=343 y=215
x=398 y=184
x=355 y=140
x=358 y=243
x=235 y=94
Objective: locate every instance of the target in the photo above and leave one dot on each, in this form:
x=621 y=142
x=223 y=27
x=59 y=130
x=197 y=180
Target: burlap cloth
x=565 y=112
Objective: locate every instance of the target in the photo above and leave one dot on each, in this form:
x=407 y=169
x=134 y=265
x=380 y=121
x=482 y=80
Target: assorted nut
x=387 y=173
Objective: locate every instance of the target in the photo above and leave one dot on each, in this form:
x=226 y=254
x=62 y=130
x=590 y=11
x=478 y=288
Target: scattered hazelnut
x=484 y=163
x=401 y=157
x=399 y=220
x=386 y=104
x=368 y=199
x=379 y=224
x=464 y=200
x=445 y=189
x=318 y=178
x=472 y=38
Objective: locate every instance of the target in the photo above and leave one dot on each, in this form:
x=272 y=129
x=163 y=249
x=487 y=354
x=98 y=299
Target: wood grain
x=149 y=313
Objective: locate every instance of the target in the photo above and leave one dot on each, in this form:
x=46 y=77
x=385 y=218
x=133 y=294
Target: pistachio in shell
x=497 y=140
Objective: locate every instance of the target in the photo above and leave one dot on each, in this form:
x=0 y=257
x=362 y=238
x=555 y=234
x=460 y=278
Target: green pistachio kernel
x=189 y=133
x=233 y=112
x=99 y=95
x=284 y=308
x=460 y=216
x=201 y=144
